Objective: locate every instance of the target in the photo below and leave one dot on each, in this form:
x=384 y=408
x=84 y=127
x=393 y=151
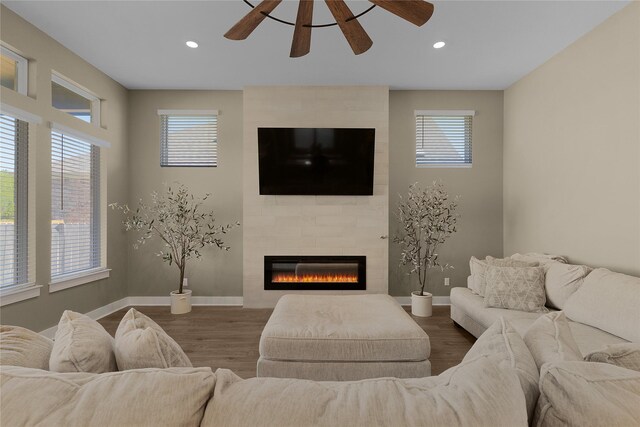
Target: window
x=188 y=138
x=13 y=70
x=14 y=226
x=71 y=98
x=75 y=206
x=443 y=138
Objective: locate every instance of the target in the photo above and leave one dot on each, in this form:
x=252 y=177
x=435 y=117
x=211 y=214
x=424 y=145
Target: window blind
x=443 y=139
x=14 y=226
x=75 y=205
x=189 y=140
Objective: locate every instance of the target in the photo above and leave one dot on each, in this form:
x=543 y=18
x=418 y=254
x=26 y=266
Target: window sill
x=74 y=280
x=10 y=296
x=444 y=166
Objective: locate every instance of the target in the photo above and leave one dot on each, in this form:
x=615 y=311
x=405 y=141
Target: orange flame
x=314 y=278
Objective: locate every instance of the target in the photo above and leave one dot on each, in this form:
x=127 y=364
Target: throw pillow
x=550 y=340
x=609 y=301
x=22 y=347
x=81 y=345
x=625 y=355
x=543 y=259
x=142 y=343
x=144 y=397
x=479 y=269
x=561 y=281
x=515 y=288
x=502 y=343
x=588 y=394
x=473 y=393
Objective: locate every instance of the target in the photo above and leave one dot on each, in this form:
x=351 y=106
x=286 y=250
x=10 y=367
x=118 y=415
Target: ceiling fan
x=417 y=12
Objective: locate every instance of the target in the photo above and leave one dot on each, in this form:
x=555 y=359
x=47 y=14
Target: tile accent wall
x=314 y=225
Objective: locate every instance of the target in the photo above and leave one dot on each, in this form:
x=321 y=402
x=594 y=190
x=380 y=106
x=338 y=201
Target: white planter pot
x=421 y=305
x=180 y=303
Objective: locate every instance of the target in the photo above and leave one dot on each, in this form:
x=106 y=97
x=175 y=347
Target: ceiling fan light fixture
x=417 y=12
x=439 y=45
x=192 y=44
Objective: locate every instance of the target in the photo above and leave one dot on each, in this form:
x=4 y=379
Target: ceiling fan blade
x=301 y=44
x=417 y=12
x=354 y=33
x=251 y=20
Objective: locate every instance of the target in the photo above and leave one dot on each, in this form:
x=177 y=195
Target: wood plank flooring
x=228 y=337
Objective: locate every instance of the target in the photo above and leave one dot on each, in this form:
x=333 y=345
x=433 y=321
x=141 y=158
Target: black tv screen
x=316 y=161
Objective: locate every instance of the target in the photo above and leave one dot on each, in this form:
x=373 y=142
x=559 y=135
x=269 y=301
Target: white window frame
x=102 y=271
x=461 y=113
x=214 y=113
x=79 y=90
x=31 y=289
x=22 y=72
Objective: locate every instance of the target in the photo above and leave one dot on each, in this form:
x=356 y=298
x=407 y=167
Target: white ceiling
x=490 y=44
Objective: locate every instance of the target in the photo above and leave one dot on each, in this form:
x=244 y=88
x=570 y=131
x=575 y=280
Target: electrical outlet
x=185 y=283
x=446 y=281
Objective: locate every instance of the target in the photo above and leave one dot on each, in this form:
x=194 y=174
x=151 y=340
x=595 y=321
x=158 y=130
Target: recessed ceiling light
x=192 y=44
x=438 y=45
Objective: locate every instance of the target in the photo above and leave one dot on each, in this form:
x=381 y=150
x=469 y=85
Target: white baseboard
x=96 y=314
x=436 y=300
x=234 y=301
x=106 y=310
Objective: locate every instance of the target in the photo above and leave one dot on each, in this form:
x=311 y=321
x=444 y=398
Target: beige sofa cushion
x=502 y=343
x=142 y=343
x=515 y=288
x=608 y=301
x=22 y=347
x=543 y=259
x=147 y=397
x=479 y=270
x=549 y=339
x=81 y=345
x=561 y=281
x=345 y=328
x=475 y=393
x=588 y=394
x=625 y=355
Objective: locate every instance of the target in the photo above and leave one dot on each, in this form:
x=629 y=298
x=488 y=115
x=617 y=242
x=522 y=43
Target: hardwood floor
x=228 y=337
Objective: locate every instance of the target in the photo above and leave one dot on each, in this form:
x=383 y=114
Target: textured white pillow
x=608 y=301
x=479 y=269
x=561 y=281
x=144 y=397
x=474 y=393
x=23 y=347
x=549 y=339
x=543 y=259
x=502 y=343
x=515 y=288
x=625 y=355
x=588 y=394
x=142 y=343
x=81 y=345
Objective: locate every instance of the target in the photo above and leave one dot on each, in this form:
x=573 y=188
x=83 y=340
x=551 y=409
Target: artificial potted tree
x=185 y=228
x=427 y=218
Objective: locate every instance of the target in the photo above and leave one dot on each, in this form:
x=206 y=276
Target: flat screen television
x=316 y=161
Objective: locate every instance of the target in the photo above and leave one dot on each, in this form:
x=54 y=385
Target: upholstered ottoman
x=342 y=338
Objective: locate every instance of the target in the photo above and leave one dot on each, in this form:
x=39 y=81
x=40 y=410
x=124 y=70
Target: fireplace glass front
x=315 y=273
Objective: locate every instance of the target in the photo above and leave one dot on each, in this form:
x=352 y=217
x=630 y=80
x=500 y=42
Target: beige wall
x=46 y=54
x=572 y=151
x=314 y=225
x=218 y=273
x=480 y=187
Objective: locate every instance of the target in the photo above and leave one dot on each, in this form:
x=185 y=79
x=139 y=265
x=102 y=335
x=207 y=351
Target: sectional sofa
x=603 y=307
x=524 y=369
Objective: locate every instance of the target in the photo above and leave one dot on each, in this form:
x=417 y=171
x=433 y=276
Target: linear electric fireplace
x=315 y=273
